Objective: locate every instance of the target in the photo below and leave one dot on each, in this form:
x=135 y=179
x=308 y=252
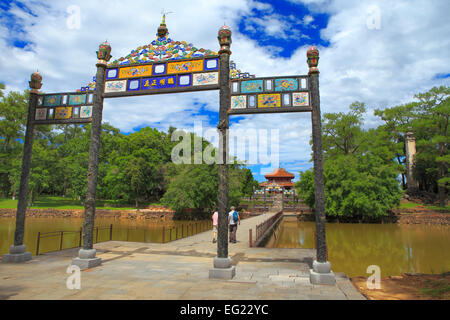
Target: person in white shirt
x=233 y=221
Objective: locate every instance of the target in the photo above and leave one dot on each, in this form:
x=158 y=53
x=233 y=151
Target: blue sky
x=382 y=66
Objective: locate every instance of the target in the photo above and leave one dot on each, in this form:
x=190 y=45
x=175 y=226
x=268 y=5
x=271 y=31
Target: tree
x=431 y=125
x=356 y=186
x=359 y=169
x=342 y=132
x=248 y=182
x=397 y=123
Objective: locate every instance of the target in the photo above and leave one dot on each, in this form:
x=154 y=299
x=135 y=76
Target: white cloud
x=307 y=19
x=382 y=67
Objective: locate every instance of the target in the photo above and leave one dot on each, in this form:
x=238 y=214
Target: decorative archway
x=167 y=66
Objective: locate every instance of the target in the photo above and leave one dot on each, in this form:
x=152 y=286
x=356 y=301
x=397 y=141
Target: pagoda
x=278 y=180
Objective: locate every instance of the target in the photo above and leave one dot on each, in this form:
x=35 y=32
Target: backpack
x=235 y=216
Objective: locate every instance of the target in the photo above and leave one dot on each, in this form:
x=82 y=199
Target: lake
x=352 y=247
x=147 y=231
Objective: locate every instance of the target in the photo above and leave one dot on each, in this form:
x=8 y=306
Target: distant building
x=277 y=180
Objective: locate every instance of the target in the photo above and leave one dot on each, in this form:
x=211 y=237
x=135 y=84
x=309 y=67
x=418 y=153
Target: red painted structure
x=277 y=180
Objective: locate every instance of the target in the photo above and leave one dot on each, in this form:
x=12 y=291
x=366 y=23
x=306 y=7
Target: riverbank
x=156 y=213
x=142 y=214
x=407 y=287
x=400 y=217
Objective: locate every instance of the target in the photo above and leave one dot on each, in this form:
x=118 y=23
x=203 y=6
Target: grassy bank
x=413 y=205
x=51 y=202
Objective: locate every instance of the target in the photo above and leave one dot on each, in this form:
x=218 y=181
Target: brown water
x=353 y=247
x=124 y=230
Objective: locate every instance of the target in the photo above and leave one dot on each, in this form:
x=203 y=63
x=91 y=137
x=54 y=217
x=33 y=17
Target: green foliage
x=355 y=186
x=133 y=169
x=359 y=168
x=428 y=119
x=342 y=132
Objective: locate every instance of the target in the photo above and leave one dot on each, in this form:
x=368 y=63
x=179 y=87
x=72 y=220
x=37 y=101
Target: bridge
x=175 y=270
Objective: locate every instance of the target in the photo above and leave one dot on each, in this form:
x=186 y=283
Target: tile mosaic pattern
x=202 y=79
x=86 y=112
x=77 y=99
x=116 y=86
x=287 y=84
x=300 y=99
x=41 y=114
x=63 y=112
x=269 y=100
x=238 y=102
x=277 y=92
x=251 y=86
x=64 y=108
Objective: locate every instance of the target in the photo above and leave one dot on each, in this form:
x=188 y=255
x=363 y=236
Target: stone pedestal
x=16 y=254
x=222 y=269
x=86 y=259
x=321 y=273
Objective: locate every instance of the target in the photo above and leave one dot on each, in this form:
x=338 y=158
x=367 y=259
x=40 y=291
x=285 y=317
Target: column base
x=16 y=254
x=86 y=263
x=86 y=259
x=222 y=269
x=321 y=273
x=222 y=273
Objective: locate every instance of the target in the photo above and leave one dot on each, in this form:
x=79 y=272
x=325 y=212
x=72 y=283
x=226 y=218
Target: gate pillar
x=222 y=262
x=321 y=272
x=17 y=252
x=86 y=256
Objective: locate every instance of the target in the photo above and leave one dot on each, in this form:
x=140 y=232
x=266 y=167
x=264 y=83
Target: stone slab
x=322 y=278
x=86 y=263
x=16 y=257
x=222 y=273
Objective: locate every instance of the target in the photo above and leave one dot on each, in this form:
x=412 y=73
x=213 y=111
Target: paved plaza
x=173 y=271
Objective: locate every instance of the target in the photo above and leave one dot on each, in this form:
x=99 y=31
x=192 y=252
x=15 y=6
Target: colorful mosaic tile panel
x=133 y=72
x=159 y=82
x=202 y=79
x=50 y=101
x=116 y=86
x=63 y=113
x=269 y=100
x=41 y=114
x=78 y=99
x=238 y=102
x=163 y=49
x=287 y=84
x=251 y=86
x=185 y=66
x=300 y=99
x=86 y=112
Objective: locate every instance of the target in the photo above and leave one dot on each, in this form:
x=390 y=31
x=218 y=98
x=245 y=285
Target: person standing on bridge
x=215 y=219
x=233 y=220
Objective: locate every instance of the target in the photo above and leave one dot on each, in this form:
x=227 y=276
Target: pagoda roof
x=279 y=173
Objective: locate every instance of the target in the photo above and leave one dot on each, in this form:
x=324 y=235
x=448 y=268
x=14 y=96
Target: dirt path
x=408 y=287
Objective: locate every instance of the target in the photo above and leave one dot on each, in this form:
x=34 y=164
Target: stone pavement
x=173 y=271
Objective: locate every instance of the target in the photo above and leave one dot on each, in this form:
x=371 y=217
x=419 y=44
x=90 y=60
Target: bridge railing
x=262 y=228
x=76 y=240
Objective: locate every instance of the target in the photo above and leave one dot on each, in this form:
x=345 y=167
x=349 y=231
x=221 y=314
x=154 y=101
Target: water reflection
x=353 y=247
x=147 y=231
